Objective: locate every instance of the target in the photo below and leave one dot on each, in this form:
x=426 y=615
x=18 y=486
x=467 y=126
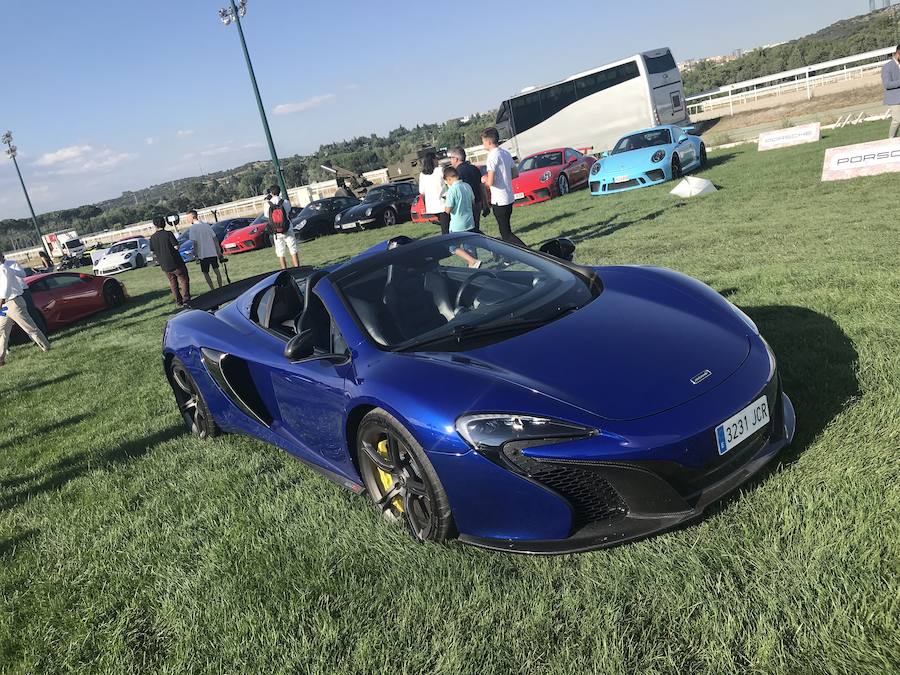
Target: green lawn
x=127 y=545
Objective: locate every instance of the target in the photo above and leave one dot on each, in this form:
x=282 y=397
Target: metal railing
x=790 y=81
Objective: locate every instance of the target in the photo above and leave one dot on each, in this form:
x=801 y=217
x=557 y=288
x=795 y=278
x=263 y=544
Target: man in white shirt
x=501 y=169
x=206 y=247
x=282 y=233
x=13 y=308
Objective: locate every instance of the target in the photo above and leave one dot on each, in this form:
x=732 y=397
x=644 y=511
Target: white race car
x=128 y=254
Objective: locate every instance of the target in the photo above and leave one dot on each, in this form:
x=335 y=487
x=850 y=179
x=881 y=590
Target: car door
x=685 y=148
x=45 y=301
x=74 y=296
x=577 y=170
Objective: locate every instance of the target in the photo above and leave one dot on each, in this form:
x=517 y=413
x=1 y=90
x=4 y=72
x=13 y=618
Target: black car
x=317 y=218
x=387 y=204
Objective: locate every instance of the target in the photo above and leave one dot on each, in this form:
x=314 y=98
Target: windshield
x=378 y=196
x=73 y=243
x=428 y=296
x=315 y=206
x=123 y=246
x=260 y=220
x=645 y=139
x=542 y=161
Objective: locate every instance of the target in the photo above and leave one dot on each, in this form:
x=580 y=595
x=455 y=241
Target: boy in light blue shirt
x=459 y=202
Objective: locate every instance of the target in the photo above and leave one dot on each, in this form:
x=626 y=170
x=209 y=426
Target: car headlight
x=497 y=429
x=368 y=212
x=254 y=230
x=743 y=317
x=337 y=218
x=303 y=222
x=545 y=177
x=658 y=156
x=128 y=255
x=595 y=169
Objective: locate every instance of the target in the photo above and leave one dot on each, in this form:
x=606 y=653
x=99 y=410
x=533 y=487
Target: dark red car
x=551 y=173
x=60 y=298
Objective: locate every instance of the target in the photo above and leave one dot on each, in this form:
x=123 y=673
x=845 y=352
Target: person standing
x=432 y=187
x=206 y=247
x=890 y=78
x=472 y=177
x=278 y=211
x=13 y=309
x=165 y=250
x=459 y=203
x=500 y=173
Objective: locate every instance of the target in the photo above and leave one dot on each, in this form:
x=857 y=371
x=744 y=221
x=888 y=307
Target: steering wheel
x=468 y=282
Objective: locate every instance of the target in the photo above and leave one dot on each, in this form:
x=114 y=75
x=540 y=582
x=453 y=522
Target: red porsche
x=551 y=173
x=60 y=298
x=248 y=238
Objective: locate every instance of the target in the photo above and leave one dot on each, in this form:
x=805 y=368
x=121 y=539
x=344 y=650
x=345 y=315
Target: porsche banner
x=785 y=138
x=864 y=159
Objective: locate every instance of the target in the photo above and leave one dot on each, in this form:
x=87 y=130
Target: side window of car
x=38 y=286
x=338 y=344
x=64 y=281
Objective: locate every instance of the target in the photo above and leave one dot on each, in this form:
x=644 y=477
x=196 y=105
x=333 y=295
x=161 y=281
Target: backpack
x=278 y=218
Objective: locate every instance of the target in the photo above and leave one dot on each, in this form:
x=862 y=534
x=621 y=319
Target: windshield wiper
x=467 y=331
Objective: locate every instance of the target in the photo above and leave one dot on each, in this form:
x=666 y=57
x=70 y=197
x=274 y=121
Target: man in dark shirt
x=165 y=249
x=470 y=174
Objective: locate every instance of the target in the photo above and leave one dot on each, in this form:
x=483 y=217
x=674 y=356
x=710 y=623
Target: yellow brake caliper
x=386 y=480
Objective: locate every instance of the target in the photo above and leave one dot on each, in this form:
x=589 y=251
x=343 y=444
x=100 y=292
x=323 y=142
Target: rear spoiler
x=216 y=298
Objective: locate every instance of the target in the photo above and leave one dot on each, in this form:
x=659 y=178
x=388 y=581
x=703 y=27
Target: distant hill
x=845 y=38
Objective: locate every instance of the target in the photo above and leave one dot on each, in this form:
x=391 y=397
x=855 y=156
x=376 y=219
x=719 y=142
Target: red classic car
x=551 y=173
x=60 y=298
x=248 y=238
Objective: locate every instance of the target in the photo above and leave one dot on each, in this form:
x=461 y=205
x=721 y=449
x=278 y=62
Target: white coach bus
x=595 y=108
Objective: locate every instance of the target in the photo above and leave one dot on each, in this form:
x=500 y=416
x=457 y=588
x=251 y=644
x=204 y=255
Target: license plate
x=230 y=245
x=621 y=179
x=736 y=429
x=348 y=226
x=519 y=195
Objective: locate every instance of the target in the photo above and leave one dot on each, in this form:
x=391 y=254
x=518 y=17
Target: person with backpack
x=278 y=212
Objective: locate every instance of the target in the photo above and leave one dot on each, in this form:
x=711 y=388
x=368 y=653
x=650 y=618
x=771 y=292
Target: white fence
x=790 y=81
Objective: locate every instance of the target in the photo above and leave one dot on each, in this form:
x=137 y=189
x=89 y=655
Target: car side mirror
x=301 y=346
x=682 y=138
x=604 y=154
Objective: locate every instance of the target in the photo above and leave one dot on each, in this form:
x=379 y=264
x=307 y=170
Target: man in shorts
x=206 y=247
x=280 y=228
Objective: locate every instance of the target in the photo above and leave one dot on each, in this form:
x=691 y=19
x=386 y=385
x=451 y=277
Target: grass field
x=128 y=546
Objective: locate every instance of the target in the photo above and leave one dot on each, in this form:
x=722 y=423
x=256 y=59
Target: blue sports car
x=478 y=390
x=647 y=157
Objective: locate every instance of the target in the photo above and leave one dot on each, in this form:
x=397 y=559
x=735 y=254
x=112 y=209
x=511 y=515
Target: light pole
x=12 y=151
x=234 y=13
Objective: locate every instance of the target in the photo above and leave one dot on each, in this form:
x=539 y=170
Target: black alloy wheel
x=389 y=217
x=562 y=184
x=113 y=294
x=190 y=402
x=702 y=154
x=139 y=261
x=676 y=167
x=399 y=478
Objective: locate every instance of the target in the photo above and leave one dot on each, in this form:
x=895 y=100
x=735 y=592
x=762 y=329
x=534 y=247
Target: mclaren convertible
x=529 y=404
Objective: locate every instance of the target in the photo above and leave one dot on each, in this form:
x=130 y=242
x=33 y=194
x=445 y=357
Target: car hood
x=630 y=353
x=359 y=211
x=241 y=234
x=633 y=159
x=116 y=258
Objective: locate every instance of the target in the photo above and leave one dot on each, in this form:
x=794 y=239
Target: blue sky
x=109 y=96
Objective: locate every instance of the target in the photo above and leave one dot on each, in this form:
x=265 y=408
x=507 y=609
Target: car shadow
x=609 y=227
x=717 y=159
x=51 y=478
x=54 y=426
x=549 y=221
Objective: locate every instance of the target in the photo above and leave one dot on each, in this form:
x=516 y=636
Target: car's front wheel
x=702 y=155
x=400 y=479
x=191 y=404
x=139 y=261
x=676 y=167
x=562 y=184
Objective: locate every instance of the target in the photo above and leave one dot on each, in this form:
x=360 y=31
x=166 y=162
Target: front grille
x=543 y=193
x=613 y=187
x=592 y=498
x=656 y=174
x=248 y=243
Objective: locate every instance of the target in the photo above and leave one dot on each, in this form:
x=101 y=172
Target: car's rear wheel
x=399 y=478
x=191 y=404
x=113 y=294
x=389 y=217
x=702 y=155
x=562 y=184
x=676 y=167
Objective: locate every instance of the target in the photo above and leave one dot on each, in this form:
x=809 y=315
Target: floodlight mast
x=12 y=151
x=234 y=14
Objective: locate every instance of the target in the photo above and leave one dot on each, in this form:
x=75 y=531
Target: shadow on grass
x=718 y=159
x=34 y=386
x=611 y=226
x=56 y=425
x=548 y=221
x=52 y=477
x=8 y=545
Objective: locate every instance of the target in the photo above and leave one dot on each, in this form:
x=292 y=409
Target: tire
x=562 y=184
x=400 y=480
x=113 y=295
x=389 y=217
x=139 y=261
x=191 y=404
x=702 y=155
x=676 y=168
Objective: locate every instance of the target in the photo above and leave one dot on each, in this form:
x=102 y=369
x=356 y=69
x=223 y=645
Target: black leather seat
x=412 y=305
x=287 y=306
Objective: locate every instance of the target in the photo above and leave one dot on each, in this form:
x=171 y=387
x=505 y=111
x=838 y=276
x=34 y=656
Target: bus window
x=556 y=98
x=526 y=112
x=503 y=113
x=660 y=64
x=591 y=84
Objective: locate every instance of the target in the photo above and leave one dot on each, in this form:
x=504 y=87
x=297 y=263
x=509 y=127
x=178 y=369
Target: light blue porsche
x=647 y=157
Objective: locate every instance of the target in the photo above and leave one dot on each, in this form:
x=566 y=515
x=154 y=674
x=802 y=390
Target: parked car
x=124 y=255
x=249 y=238
x=408 y=377
x=549 y=174
x=647 y=157
x=383 y=205
x=61 y=298
x=317 y=218
x=221 y=230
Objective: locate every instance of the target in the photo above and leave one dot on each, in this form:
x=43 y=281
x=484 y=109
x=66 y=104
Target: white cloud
x=185 y=132
x=303 y=106
x=150 y=140
x=71 y=153
x=212 y=152
x=252 y=146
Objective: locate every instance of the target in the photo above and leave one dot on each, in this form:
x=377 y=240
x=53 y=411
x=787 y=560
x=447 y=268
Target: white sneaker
x=476 y=265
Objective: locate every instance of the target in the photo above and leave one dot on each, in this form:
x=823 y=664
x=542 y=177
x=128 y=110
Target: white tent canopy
x=692 y=186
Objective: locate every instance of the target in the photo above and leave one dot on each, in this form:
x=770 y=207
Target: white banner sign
x=864 y=159
x=784 y=138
